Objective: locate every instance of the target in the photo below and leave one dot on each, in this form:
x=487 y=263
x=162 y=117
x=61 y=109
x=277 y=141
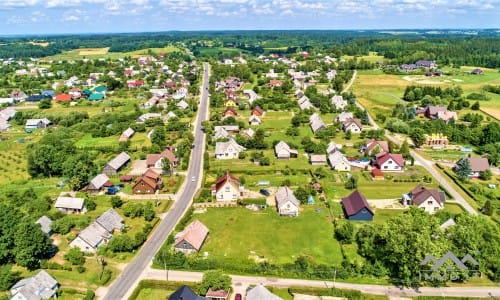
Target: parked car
x=264 y=192
x=237 y=297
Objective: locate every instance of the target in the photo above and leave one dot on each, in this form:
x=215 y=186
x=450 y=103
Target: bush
x=75 y=256
x=80 y=269
x=116 y=202
x=105 y=277
x=89 y=295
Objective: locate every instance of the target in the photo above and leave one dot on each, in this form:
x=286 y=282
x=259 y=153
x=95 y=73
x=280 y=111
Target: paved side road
x=428 y=165
x=242 y=282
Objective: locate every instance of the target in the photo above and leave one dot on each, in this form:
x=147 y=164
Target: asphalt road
x=120 y=287
x=427 y=164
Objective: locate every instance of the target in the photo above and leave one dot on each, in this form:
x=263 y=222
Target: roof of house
x=354 y=203
x=8 y=113
x=259 y=292
x=185 y=293
x=344 y=116
x=258 y=109
x=170 y=155
x=231 y=110
x=63 y=97
x=194 y=233
x=420 y=194
x=332 y=147
x=120 y=160
x=336 y=158
x=110 y=220
x=220 y=133
x=182 y=104
x=316 y=122
x=433 y=110
x=377 y=172
x=228 y=177
x=284 y=195
x=40 y=286
x=478 y=164
x=94 y=234
x=99 y=181
x=222 y=147
x=317 y=158
x=282 y=146
x=150 y=173
x=69 y=202
x=128 y=132
x=96 y=96
x=396 y=157
x=254 y=119
x=44 y=222
x=349 y=121
x=338 y=101
x=372 y=143
x=217 y=294
x=148 y=180
x=305 y=103
x=448 y=223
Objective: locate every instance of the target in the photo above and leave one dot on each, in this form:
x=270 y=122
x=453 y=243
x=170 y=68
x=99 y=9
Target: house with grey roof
x=259 y=292
x=228 y=150
x=332 y=147
x=283 y=151
x=45 y=223
x=305 y=103
x=182 y=105
x=32 y=124
x=148 y=116
x=286 y=202
x=71 y=205
x=339 y=102
x=220 y=133
x=254 y=120
x=40 y=286
x=127 y=134
x=316 y=123
x=99 y=232
x=343 y=116
x=7 y=113
x=116 y=164
x=338 y=161
x=98 y=184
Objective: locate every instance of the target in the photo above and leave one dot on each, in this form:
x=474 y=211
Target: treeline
x=417 y=93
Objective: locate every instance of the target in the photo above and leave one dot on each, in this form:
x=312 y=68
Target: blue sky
x=83 y=16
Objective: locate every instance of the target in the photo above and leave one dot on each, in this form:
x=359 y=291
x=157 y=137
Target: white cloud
x=71 y=18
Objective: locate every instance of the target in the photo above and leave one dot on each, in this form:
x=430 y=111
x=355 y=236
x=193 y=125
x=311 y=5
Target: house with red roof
x=191 y=238
x=390 y=162
x=356 y=208
x=229 y=112
x=227 y=188
x=425 y=199
x=275 y=83
x=63 y=98
x=374 y=147
x=258 y=111
x=148 y=183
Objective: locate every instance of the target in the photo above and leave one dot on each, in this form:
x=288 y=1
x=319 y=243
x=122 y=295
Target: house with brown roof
x=258 y=111
x=477 y=165
x=227 y=188
x=427 y=200
x=156 y=160
x=229 y=112
x=275 y=83
x=390 y=162
x=191 y=238
x=353 y=125
x=217 y=294
x=374 y=147
x=438 y=112
x=356 y=208
x=148 y=183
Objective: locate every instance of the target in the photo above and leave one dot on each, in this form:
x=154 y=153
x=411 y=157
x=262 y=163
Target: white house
x=254 y=120
x=283 y=151
x=40 y=286
x=353 y=125
x=227 y=188
x=228 y=150
x=390 y=162
x=70 y=205
x=427 y=200
x=343 y=116
x=286 y=202
x=316 y=123
x=338 y=161
x=339 y=102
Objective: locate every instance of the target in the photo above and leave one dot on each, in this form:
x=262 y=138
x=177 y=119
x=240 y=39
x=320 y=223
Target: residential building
x=390 y=162
x=339 y=162
x=149 y=183
x=428 y=64
x=428 y=200
x=148 y=116
x=98 y=183
x=356 y=208
x=373 y=147
x=116 y=164
x=437 y=112
x=32 y=124
x=259 y=292
x=436 y=140
x=228 y=150
x=339 y=102
x=229 y=112
x=286 y=202
x=227 y=188
x=40 y=286
x=185 y=293
x=254 y=120
x=252 y=96
x=344 y=116
x=127 y=134
x=156 y=160
x=332 y=147
x=45 y=223
x=258 y=111
x=353 y=125
x=477 y=165
x=316 y=123
x=7 y=113
x=317 y=159
x=283 y=151
x=305 y=103
x=191 y=238
x=71 y=205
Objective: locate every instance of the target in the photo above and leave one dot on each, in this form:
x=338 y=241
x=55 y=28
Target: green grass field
x=277 y=239
x=96 y=53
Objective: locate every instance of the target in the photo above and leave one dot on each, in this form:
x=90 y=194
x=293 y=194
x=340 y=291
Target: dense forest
x=481 y=49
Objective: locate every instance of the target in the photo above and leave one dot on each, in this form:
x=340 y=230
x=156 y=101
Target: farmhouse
x=338 y=161
x=40 y=286
x=148 y=183
x=316 y=123
x=254 y=120
x=356 y=208
x=227 y=188
x=228 y=150
x=283 y=151
x=286 y=202
x=70 y=205
x=191 y=238
x=428 y=200
x=390 y=162
x=116 y=164
x=339 y=102
x=127 y=134
x=353 y=125
x=98 y=183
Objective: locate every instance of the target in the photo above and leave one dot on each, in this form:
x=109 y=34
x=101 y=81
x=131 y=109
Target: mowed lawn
x=239 y=233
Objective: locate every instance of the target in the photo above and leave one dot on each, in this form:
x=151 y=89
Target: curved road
x=127 y=280
x=428 y=165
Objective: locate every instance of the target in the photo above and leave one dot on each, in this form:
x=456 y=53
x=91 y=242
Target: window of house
x=385 y=167
x=228 y=189
x=429 y=202
x=389 y=162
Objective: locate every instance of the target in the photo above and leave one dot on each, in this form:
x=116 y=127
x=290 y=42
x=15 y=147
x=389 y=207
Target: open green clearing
x=96 y=53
